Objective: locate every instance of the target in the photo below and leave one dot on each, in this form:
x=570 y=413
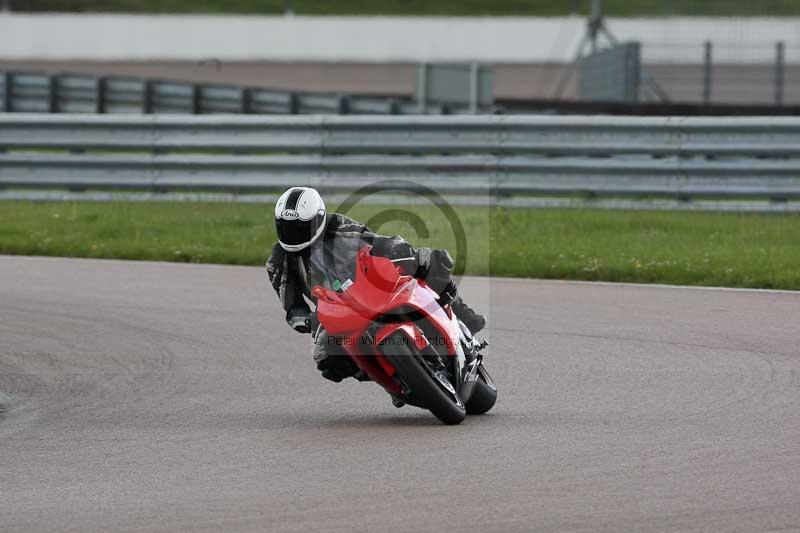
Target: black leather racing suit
x=329 y=262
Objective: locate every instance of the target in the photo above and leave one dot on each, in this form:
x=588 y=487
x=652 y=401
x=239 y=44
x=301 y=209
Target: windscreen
x=333 y=263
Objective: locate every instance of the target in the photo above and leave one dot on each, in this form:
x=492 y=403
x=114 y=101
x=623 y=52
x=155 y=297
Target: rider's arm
x=433 y=265
x=289 y=289
x=397 y=249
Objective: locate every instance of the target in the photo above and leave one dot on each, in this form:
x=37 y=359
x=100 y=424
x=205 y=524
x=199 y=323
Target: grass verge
x=715 y=249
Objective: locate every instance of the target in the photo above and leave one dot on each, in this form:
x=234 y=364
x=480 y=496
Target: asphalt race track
x=149 y=396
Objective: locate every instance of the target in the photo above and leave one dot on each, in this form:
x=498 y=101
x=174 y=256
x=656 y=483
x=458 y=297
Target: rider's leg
x=437 y=269
x=474 y=321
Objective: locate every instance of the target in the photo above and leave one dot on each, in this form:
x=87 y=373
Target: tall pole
x=594 y=27
x=595 y=22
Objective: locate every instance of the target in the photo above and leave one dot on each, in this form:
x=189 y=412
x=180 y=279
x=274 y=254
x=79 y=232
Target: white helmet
x=299 y=218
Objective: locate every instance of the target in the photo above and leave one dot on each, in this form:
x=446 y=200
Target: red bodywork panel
x=379 y=289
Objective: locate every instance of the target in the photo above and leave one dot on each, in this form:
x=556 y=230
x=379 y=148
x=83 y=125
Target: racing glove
x=435 y=266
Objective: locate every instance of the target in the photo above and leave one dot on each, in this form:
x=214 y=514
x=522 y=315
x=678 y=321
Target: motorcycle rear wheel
x=425 y=389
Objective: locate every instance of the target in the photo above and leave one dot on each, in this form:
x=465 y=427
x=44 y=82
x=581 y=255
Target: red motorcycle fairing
x=411 y=331
x=378 y=290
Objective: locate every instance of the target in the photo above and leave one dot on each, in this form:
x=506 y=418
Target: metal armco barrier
x=497 y=155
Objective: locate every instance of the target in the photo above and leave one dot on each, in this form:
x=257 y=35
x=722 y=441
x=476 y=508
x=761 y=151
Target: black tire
x=425 y=389
x=484 y=395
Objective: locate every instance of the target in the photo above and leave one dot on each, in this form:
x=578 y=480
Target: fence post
x=473 y=88
x=422 y=88
x=780 y=61
x=707 y=73
x=8 y=80
x=147 y=97
x=52 y=93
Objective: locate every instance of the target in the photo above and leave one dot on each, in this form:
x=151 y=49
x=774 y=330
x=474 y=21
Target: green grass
x=422 y=7
x=735 y=250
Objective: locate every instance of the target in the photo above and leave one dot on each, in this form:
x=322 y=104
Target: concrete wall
x=379 y=39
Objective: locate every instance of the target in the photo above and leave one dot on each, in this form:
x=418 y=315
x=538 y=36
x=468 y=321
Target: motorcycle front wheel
x=428 y=387
x=484 y=395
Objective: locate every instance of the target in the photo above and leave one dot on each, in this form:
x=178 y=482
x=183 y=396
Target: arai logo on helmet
x=289 y=214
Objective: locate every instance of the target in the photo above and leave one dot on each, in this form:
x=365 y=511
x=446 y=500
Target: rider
x=317 y=248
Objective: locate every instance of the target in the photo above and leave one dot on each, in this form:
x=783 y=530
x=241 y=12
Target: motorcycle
x=401 y=337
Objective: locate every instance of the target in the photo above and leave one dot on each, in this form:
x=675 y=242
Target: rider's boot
x=468 y=316
x=331 y=359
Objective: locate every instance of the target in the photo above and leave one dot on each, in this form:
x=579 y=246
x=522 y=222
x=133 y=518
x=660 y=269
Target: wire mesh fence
x=764 y=73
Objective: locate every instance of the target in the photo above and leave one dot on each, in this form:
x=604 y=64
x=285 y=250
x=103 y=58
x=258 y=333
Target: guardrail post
x=100 y=90
x=343 y=105
x=247 y=101
x=707 y=73
x=293 y=105
x=8 y=80
x=394 y=106
x=147 y=97
x=52 y=93
x=197 y=99
x=780 y=60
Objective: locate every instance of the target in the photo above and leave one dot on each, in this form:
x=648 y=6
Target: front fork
x=468 y=366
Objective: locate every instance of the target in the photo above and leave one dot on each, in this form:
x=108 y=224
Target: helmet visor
x=297 y=232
